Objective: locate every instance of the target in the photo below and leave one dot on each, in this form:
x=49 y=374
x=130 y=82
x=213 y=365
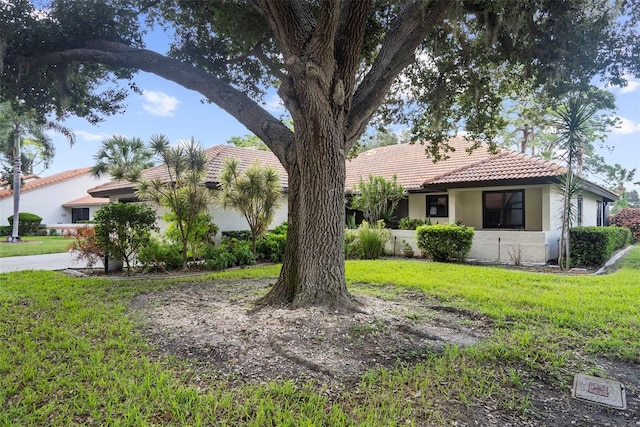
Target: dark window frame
x=440 y=212
x=599 y=213
x=75 y=219
x=580 y=209
x=503 y=212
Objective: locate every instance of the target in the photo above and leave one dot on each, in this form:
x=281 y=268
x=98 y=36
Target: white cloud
x=88 y=136
x=632 y=85
x=274 y=104
x=159 y=103
x=626 y=127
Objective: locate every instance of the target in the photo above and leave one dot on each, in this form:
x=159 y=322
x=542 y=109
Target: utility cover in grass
x=599 y=390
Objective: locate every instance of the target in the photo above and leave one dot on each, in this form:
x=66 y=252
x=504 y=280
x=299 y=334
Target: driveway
x=60 y=261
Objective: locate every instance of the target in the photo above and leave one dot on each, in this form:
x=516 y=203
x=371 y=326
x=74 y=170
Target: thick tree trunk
x=313 y=268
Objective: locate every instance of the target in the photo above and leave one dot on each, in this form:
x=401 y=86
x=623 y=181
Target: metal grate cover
x=599 y=390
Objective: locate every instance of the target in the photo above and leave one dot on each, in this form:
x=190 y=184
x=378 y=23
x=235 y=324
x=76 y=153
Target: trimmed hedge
x=445 y=242
x=593 y=246
x=28 y=223
x=629 y=218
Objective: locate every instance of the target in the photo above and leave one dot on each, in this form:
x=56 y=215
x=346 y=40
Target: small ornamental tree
x=254 y=193
x=201 y=233
x=377 y=198
x=123 y=228
x=183 y=193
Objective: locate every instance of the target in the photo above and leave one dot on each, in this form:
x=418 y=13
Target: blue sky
x=169 y=109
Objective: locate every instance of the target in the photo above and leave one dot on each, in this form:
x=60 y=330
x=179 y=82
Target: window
x=438 y=206
x=79 y=214
x=580 y=206
x=599 y=213
x=503 y=209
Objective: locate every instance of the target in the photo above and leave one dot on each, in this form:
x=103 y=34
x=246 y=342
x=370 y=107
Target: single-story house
x=124 y=191
x=60 y=199
x=510 y=199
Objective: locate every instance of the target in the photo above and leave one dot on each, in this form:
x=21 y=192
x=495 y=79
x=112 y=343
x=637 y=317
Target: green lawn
x=35 y=246
x=72 y=353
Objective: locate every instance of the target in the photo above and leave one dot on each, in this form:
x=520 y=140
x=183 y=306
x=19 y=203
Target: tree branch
x=269 y=129
x=410 y=28
x=292 y=23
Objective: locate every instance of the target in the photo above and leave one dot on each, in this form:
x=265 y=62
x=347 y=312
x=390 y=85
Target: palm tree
x=14 y=126
x=573 y=123
x=254 y=193
x=122 y=158
x=183 y=191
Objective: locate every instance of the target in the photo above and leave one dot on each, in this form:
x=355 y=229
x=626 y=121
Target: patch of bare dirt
x=214 y=324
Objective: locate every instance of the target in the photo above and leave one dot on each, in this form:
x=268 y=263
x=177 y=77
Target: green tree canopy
x=438 y=66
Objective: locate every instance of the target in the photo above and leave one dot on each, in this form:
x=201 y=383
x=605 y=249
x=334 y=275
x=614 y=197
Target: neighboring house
x=60 y=199
x=124 y=191
x=510 y=199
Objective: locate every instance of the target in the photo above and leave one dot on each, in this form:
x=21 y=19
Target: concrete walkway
x=60 y=261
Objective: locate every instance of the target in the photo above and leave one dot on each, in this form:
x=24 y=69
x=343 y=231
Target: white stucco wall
x=229 y=220
x=47 y=201
x=589 y=209
x=225 y=219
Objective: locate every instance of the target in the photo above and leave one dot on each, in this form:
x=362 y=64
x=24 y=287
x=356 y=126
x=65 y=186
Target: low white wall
x=395 y=243
x=504 y=245
x=496 y=246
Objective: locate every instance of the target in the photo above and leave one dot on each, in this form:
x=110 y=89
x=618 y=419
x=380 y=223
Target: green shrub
x=5 y=230
x=122 y=229
x=237 y=234
x=271 y=247
x=28 y=223
x=593 y=246
x=53 y=232
x=241 y=251
x=160 y=254
x=281 y=229
x=349 y=243
x=629 y=218
x=367 y=242
x=407 y=223
x=444 y=242
x=219 y=257
x=230 y=252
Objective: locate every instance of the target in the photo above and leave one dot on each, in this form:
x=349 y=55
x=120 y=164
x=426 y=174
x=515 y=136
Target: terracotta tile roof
x=507 y=165
x=32 y=184
x=217 y=156
x=410 y=163
x=86 y=201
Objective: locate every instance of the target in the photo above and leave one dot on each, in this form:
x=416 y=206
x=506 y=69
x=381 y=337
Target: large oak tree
x=338 y=65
